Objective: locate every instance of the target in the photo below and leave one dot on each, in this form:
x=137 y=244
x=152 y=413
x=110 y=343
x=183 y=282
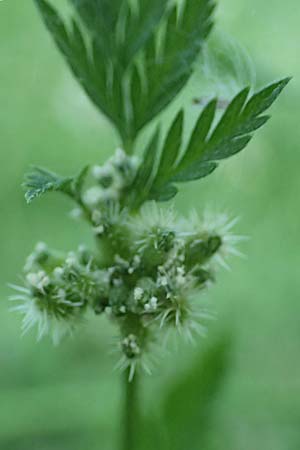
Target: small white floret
x=138 y=293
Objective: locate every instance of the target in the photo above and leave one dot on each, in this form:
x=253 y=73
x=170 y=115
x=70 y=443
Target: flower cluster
x=145 y=278
x=111 y=179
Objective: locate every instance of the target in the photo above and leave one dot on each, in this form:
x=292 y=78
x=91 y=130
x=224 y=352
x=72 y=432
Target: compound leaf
x=207 y=146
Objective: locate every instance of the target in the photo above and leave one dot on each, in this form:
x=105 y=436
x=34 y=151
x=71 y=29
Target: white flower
x=220 y=225
x=39 y=280
x=58 y=272
x=138 y=293
x=162 y=280
x=99 y=230
x=152 y=304
x=180 y=277
x=100 y=172
x=34 y=315
x=71 y=260
x=119 y=157
x=93 y=196
x=153 y=216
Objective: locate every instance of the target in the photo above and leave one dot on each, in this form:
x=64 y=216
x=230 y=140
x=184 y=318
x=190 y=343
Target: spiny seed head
x=148 y=282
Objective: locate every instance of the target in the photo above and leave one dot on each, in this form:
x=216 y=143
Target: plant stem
x=131 y=416
x=128 y=146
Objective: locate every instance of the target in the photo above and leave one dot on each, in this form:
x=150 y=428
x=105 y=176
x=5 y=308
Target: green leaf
x=171 y=149
x=140 y=26
x=166 y=193
x=100 y=16
x=191 y=404
x=143 y=180
x=40 y=181
x=104 y=88
x=168 y=71
x=207 y=145
x=116 y=35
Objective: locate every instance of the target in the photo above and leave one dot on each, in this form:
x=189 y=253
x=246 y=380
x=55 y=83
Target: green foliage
x=40 y=181
x=131 y=62
x=168 y=68
x=208 y=145
x=132 y=59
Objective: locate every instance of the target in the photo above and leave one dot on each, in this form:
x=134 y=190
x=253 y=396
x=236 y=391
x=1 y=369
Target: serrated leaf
x=166 y=193
x=169 y=72
x=171 y=149
x=231 y=135
x=40 y=181
x=259 y=103
x=120 y=34
x=90 y=68
x=100 y=16
x=140 y=26
x=200 y=132
x=194 y=172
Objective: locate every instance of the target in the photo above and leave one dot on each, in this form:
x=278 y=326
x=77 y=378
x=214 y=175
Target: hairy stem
x=131 y=415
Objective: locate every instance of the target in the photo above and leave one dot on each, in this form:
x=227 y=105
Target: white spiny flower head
x=156 y=265
x=154 y=231
x=218 y=225
x=36 y=314
x=185 y=314
x=134 y=356
x=153 y=216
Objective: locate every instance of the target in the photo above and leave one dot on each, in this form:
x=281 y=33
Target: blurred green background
x=67 y=397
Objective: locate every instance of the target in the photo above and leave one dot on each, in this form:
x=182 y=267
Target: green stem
x=131 y=416
x=128 y=146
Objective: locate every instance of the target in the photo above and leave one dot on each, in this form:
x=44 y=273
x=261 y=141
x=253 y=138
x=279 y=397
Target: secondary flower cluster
x=146 y=274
